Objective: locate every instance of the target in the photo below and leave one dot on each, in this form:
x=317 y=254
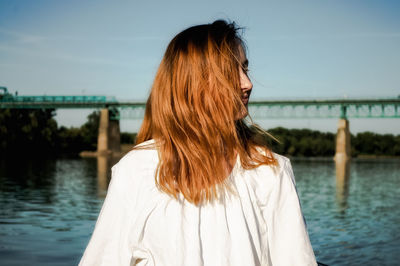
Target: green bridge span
x=113 y=110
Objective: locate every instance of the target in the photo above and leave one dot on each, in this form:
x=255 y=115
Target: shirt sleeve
x=289 y=243
x=109 y=243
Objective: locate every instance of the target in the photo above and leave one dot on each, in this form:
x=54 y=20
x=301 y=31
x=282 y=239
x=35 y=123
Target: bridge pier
x=343 y=148
x=108 y=141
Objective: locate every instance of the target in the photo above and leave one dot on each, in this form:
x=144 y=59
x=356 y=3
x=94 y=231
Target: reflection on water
x=49 y=208
x=102 y=173
x=104 y=164
x=342 y=183
x=352 y=210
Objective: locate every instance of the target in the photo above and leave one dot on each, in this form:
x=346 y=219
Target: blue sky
x=297 y=49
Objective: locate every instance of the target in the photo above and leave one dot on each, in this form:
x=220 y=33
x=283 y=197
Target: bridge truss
x=334 y=108
x=343 y=108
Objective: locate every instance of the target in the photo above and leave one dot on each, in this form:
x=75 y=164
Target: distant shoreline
x=360 y=158
x=125 y=148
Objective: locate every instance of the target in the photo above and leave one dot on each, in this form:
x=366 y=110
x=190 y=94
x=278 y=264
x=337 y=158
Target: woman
x=201 y=187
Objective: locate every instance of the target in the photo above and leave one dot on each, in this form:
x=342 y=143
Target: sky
x=296 y=49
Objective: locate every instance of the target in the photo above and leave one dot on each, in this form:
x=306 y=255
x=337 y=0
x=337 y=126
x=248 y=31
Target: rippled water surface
x=49 y=208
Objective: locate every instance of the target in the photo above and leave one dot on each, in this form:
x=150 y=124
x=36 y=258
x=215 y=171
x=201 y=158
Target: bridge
x=112 y=111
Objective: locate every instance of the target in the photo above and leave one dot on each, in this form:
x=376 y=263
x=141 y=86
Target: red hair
x=192 y=114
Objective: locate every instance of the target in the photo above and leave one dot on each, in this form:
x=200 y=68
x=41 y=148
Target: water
x=49 y=208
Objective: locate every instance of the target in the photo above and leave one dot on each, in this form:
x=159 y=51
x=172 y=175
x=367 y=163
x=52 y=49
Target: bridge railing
x=300 y=108
x=55 y=99
x=8 y=100
x=340 y=108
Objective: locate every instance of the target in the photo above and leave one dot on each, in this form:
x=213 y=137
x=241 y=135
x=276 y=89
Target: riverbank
x=125 y=148
x=368 y=158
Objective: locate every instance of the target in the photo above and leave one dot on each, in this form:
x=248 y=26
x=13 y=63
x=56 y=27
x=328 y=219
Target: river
x=49 y=208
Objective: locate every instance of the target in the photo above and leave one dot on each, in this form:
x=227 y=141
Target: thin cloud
x=27 y=38
x=283 y=37
x=59 y=56
x=23 y=38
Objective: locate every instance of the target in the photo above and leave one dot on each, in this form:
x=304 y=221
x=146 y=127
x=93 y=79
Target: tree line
x=309 y=143
x=35 y=131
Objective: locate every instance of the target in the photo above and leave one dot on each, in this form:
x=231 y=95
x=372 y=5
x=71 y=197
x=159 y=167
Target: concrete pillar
x=108 y=140
x=102 y=140
x=114 y=136
x=343 y=147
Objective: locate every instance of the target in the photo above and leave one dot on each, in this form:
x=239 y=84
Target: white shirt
x=262 y=224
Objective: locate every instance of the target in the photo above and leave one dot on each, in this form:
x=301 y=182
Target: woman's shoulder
x=282 y=162
x=139 y=163
x=140 y=155
x=282 y=166
x=265 y=179
x=268 y=175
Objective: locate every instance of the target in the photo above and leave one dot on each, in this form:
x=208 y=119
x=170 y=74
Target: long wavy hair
x=192 y=114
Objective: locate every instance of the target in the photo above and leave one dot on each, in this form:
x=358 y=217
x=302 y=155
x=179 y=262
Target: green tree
x=128 y=138
x=303 y=142
x=90 y=131
x=27 y=131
